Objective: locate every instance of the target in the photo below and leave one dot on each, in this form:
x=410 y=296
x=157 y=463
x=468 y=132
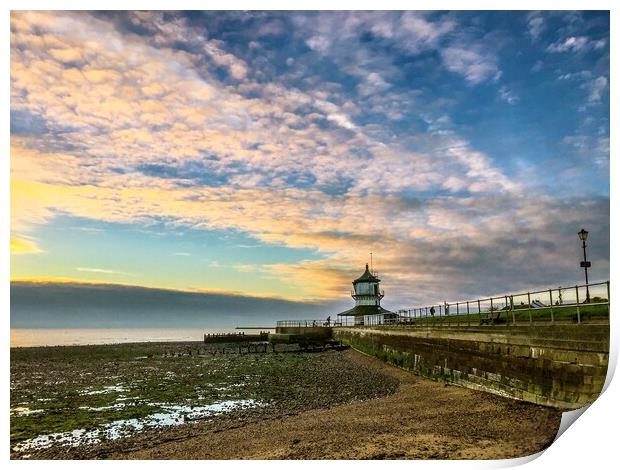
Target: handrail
x=589 y=301
x=552 y=305
x=303 y=323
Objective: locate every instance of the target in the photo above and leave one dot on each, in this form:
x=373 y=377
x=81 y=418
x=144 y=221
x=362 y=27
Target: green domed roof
x=367 y=277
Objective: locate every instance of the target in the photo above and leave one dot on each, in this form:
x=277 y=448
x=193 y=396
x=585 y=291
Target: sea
x=27 y=337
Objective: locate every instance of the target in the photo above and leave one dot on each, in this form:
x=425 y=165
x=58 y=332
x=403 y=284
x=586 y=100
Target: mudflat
x=333 y=405
x=423 y=419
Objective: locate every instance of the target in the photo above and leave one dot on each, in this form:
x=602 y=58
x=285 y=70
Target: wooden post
x=468 y=313
x=458 y=319
x=529 y=306
x=512 y=308
x=479 y=311
x=492 y=311
x=551 y=304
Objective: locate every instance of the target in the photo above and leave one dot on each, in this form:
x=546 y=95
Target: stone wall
x=563 y=366
x=296 y=334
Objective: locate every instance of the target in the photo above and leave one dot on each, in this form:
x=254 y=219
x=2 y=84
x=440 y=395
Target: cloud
x=174 y=127
x=590 y=149
x=535 y=24
x=538 y=66
x=89 y=305
x=597 y=88
x=103 y=271
x=373 y=83
x=418 y=33
x=508 y=96
x=318 y=43
x=235 y=66
x=21 y=246
x=576 y=44
x=474 y=64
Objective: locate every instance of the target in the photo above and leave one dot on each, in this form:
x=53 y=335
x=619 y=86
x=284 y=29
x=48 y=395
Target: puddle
x=24 y=411
x=108 y=389
x=116 y=406
x=172 y=415
x=226 y=388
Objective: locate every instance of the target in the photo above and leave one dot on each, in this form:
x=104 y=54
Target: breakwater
x=562 y=366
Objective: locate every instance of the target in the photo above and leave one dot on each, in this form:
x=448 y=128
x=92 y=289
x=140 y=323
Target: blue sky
x=267 y=153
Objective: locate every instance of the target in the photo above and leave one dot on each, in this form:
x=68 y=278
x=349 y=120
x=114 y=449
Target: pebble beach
x=156 y=401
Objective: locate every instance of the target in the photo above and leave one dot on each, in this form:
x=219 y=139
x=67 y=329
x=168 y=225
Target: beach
x=172 y=401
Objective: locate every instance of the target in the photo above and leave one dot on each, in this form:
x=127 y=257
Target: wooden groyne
x=235 y=337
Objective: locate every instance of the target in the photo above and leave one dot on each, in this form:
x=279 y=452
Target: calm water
x=76 y=336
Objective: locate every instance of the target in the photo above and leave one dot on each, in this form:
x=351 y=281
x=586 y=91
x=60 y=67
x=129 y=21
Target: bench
x=492 y=318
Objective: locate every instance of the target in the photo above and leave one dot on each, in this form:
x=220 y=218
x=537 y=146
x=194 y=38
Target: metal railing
x=303 y=323
x=587 y=302
x=575 y=304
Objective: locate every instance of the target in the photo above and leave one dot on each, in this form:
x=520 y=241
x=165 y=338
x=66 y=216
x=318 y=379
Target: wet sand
x=423 y=419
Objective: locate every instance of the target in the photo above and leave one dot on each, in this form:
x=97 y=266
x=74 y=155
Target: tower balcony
x=380 y=294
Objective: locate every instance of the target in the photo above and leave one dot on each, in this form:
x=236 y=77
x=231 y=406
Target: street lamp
x=585 y=264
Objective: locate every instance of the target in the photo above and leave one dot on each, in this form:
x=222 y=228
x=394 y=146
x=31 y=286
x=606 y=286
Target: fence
x=304 y=323
x=576 y=304
x=587 y=302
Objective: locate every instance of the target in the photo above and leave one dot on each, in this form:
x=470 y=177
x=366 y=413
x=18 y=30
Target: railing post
x=551 y=304
x=468 y=313
x=512 y=309
x=608 y=303
x=458 y=318
x=608 y=299
x=479 y=310
x=529 y=306
x=577 y=297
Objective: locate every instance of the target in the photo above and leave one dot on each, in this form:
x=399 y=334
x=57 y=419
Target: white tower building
x=367 y=296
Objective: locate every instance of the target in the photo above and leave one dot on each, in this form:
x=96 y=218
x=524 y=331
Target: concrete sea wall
x=563 y=366
x=295 y=334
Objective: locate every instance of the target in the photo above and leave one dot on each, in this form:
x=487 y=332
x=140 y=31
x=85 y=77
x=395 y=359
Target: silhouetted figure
x=329 y=320
x=432 y=311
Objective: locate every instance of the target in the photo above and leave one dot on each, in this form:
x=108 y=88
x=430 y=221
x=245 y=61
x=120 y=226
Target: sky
x=266 y=154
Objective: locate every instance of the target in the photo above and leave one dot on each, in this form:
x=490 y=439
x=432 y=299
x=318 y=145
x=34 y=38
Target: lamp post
x=585 y=264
